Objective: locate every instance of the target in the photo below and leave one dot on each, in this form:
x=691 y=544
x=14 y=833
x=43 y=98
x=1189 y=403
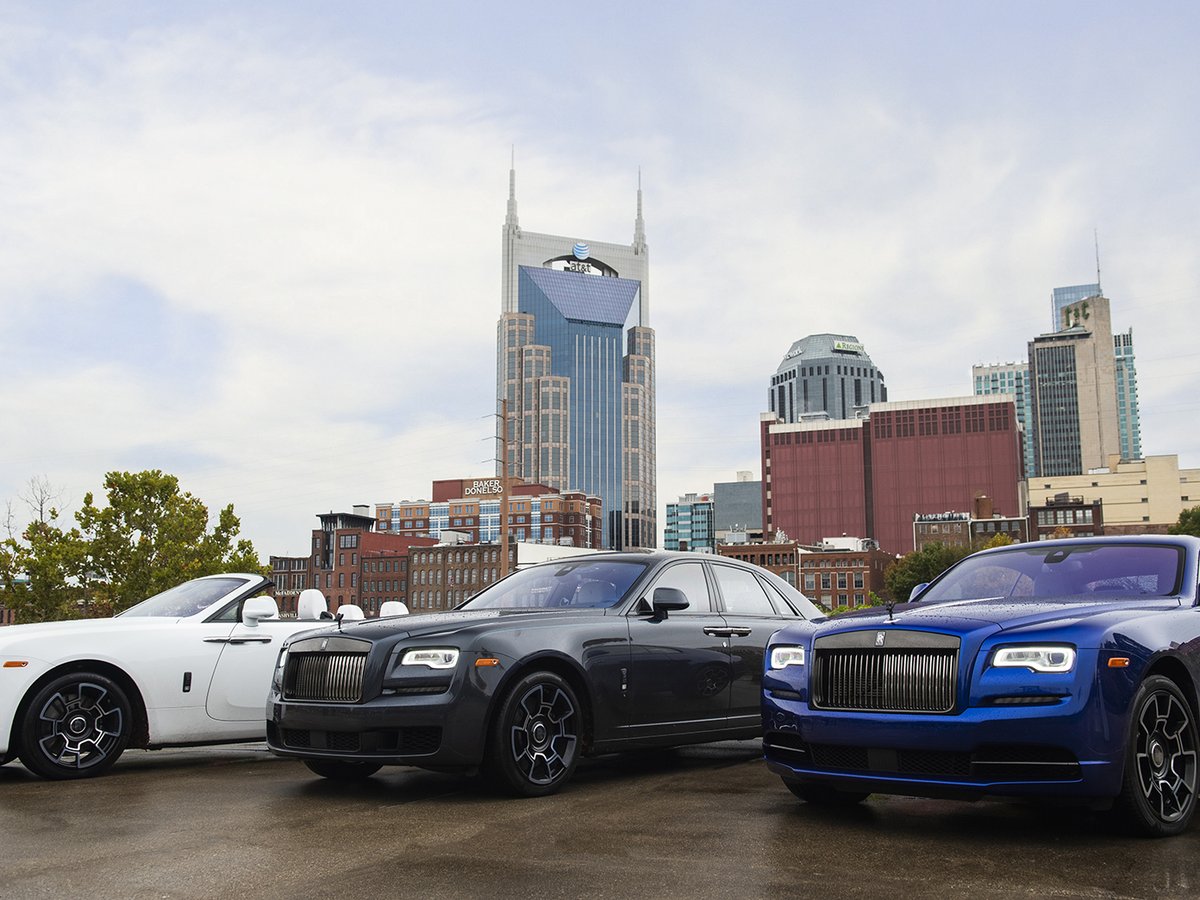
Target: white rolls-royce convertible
x=189 y=666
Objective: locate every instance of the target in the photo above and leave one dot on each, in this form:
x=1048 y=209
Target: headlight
x=782 y=657
x=280 y=663
x=1048 y=658
x=441 y=658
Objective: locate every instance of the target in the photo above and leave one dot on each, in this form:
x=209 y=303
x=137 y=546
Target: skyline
x=254 y=245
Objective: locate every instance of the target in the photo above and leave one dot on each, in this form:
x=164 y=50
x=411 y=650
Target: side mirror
x=917 y=590
x=258 y=608
x=669 y=599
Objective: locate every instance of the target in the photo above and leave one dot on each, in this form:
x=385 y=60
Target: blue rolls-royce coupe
x=1054 y=669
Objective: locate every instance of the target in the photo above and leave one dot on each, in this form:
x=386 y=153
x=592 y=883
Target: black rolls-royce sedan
x=584 y=655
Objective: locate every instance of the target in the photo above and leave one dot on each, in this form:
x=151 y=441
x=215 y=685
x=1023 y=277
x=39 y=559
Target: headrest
x=392 y=608
x=349 y=612
x=311 y=604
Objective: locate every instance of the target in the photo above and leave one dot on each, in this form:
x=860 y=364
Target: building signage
x=478 y=488
x=847 y=347
x=581 y=261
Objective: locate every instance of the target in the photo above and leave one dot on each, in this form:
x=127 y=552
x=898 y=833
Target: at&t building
x=575 y=362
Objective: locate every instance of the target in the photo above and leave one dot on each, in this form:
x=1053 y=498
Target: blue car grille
x=915 y=673
x=329 y=677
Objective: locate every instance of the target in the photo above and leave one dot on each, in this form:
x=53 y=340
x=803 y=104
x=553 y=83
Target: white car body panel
x=230 y=666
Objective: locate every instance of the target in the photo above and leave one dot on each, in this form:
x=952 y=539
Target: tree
x=40 y=572
x=148 y=537
x=920 y=566
x=1189 y=522
x=151 y=536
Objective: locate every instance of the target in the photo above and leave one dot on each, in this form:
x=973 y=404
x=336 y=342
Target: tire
x=1158 y=793
x=342 y=769
x=75 y=726
x=823 y=795
x=535 y=741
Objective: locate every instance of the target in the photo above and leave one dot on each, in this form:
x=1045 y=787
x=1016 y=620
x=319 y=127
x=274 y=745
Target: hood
x=452 y=622
x=1003 y=613
x=21 y=635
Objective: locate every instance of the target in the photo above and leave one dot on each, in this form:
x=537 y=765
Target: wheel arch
x=564 y=667
x=1174 y=668
x=139 y=736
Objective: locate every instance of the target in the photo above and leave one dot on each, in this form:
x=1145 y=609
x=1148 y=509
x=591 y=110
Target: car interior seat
x=350 y=612
x=595 y=595
x=311 y=605
x=392 y=608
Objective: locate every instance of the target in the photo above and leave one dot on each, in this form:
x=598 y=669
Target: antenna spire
x=510 y=220
x=639 y=225
x=1096 y=234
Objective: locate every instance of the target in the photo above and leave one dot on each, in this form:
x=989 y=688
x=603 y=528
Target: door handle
x=237 y=640
x=739 y=632
x=719 y=632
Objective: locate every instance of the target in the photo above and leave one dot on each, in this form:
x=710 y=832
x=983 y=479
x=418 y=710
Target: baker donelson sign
x=484 y=487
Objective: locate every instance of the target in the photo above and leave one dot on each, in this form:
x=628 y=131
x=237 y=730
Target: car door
x=242 y=678
x=749 y=619
x=679 y=667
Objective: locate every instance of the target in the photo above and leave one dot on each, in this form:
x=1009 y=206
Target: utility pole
x=504 y=488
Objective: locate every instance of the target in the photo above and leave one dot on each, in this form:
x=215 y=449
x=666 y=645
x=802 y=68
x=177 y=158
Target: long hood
x=47 y=634
x=1001 y=613
x=466 y=620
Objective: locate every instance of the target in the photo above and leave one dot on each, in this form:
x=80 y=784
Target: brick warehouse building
x=869 y=476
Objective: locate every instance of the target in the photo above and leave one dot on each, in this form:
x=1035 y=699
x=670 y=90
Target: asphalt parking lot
x=700 y=822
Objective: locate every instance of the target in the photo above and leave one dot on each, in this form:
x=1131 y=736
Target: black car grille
x=915 y=673
x=414 y=741
x=330 y=677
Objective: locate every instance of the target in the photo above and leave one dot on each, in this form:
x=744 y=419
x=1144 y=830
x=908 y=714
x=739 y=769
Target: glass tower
x=1011 y=378
x=575 y=362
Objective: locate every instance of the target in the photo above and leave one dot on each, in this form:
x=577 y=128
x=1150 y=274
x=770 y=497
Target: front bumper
x=1068 y=749
x=446 y=730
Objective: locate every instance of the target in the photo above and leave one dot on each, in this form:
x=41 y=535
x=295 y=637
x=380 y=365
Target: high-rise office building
x=1128 y=419
x=689 y=524
x=1010 y=378
x=827 y=374
x=575 y=362
x=1072 y=373
x=1062 y=297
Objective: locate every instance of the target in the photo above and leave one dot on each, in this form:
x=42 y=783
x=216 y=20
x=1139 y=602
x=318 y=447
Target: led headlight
x=1044 y=658
x=435 y=658
x=280 y=664
x=782 y=657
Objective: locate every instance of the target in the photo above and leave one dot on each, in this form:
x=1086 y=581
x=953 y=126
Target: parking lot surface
x=700 y=822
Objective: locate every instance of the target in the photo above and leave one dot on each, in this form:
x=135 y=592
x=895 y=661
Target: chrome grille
x=331 y=677
x=904 y=677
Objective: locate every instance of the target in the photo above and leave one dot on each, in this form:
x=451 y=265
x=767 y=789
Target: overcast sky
x=257 y=245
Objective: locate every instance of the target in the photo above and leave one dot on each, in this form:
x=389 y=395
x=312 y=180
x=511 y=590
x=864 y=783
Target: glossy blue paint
x=1037 y=724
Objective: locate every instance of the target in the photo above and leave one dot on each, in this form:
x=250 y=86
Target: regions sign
x=847 y=347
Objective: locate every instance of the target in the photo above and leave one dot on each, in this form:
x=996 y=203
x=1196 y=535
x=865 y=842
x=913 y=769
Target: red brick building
x=838 y=572
x=870 y=476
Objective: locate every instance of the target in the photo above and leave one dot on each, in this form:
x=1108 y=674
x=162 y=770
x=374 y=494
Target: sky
x=257 y=245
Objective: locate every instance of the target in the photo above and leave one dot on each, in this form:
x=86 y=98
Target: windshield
x=186 y=599
x=590 y=584
x=1030 y=571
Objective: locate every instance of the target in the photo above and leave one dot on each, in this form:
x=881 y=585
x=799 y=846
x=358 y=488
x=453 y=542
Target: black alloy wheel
x=343 y=769
x=823 y=795
x=1158 y=796
x=75 y=726
x=535 y=743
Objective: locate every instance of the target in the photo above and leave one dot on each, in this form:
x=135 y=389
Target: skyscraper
x=1011 y=378
x=575 y=361
x=1128 y=418
x=825 y=373
x=1073 y=377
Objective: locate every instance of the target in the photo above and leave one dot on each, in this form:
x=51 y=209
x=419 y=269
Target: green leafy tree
x=151 y=536
x=40 y=571
x=920 y=566
x=1189 y=522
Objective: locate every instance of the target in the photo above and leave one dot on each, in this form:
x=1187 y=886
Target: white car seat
x=311 y=605
x=392 y=608
x=350 y=612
